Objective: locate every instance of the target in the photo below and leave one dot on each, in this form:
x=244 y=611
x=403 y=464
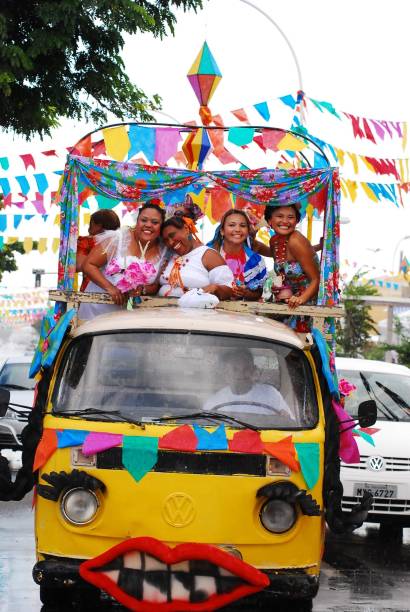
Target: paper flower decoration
x=113 y=267
x=136 y=275
x=345 y=387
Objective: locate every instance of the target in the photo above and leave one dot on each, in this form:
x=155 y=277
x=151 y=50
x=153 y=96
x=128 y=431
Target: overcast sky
x=352 y=53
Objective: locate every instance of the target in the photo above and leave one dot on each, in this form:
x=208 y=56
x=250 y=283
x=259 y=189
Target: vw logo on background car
x=376 y=463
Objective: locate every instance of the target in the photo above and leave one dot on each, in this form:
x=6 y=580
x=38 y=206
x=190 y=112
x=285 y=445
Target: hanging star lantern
x=204 y=76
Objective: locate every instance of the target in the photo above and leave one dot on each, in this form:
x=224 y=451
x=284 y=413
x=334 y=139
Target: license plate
x=381 y=491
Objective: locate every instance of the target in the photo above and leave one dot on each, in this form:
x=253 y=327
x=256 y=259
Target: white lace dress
x=116 y=245
x=193 y=273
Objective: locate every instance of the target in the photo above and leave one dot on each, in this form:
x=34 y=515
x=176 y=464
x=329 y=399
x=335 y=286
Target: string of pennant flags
x=373 y=130
x=351 y=163
x=395 y=282
x=25 y=306
x=33 y=192
x=42 y=244
x=363 y=128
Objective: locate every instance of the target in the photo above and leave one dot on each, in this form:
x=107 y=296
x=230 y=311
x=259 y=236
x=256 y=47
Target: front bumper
x=60 y=572
x=10 y=431
x=390 y=510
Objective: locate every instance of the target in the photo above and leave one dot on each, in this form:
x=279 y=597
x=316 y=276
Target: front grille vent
x=221 y=464
x=393 y=464
x=393 y=506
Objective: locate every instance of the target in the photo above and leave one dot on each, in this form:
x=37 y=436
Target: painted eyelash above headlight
x=289 y=492
x=60 y=481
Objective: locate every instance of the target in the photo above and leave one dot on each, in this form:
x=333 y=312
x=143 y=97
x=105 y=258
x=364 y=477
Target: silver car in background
x=14 y=377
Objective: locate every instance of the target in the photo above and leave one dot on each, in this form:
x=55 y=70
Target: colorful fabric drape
x=124 y=181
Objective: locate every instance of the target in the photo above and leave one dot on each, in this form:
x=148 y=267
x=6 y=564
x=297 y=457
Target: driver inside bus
x=242 y=394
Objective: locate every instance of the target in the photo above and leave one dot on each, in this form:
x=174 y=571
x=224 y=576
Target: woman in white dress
x=111 y=263
x=192 y=265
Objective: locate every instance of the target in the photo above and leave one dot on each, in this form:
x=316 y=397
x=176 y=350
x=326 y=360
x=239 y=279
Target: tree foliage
x=403 y=347
x=7 y=257
x=354 y=332
x=62 y=59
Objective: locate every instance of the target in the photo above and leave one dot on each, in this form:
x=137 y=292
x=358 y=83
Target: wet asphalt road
x=360 y=573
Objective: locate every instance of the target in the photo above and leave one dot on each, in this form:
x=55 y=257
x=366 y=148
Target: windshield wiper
x=373 y=396
x=98 y=412
x=207 y=415
x=12 y=386
x=395 y=397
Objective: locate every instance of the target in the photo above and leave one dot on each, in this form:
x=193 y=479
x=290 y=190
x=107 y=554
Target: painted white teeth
x=206 y=584
x=224 y=572
x=153 y=594
x=112 y=575
x=182 y=566
x=132 y=560
x=153 y=564
x=178 y=591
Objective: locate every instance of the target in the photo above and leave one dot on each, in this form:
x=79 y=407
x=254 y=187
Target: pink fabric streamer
x=96 y=442
x=348 y=449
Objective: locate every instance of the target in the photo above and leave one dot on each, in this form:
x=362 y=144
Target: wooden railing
x=319 y=313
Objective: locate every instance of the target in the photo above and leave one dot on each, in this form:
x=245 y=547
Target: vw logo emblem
x=179 y=510
x=375 y=463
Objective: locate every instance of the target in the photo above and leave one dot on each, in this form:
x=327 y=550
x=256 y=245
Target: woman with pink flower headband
x=125 y=262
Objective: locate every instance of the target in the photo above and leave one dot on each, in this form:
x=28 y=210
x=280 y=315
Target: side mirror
x=4 y=401
x=367 y=413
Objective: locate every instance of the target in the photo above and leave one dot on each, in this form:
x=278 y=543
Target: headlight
x=79 y=506
x=278 y=515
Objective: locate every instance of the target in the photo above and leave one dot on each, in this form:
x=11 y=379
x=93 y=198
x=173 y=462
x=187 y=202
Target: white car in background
x=384 y=468
x=14 y=377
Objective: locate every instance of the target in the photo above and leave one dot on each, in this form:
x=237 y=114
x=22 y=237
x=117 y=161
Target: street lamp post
x=285 y=38
x=395 y=251
x=158 y=112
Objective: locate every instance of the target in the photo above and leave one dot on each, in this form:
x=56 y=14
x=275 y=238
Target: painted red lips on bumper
x=146 y=575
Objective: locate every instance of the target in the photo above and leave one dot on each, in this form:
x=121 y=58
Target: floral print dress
x=294 y=277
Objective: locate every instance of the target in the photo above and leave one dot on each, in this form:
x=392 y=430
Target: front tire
x=286 y=605
x=55 y=596
x=391 y=533
x=63 y=598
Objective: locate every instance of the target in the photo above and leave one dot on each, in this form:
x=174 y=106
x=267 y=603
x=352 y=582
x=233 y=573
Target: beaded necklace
x=279 y=247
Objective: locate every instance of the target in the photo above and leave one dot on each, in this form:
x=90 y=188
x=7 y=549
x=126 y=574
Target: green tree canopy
x=7 y=257
x=62 y=59
x=403 y=347
x=357 y=327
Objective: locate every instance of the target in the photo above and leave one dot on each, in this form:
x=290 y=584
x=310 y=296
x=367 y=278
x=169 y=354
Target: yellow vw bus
x=182 y=462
